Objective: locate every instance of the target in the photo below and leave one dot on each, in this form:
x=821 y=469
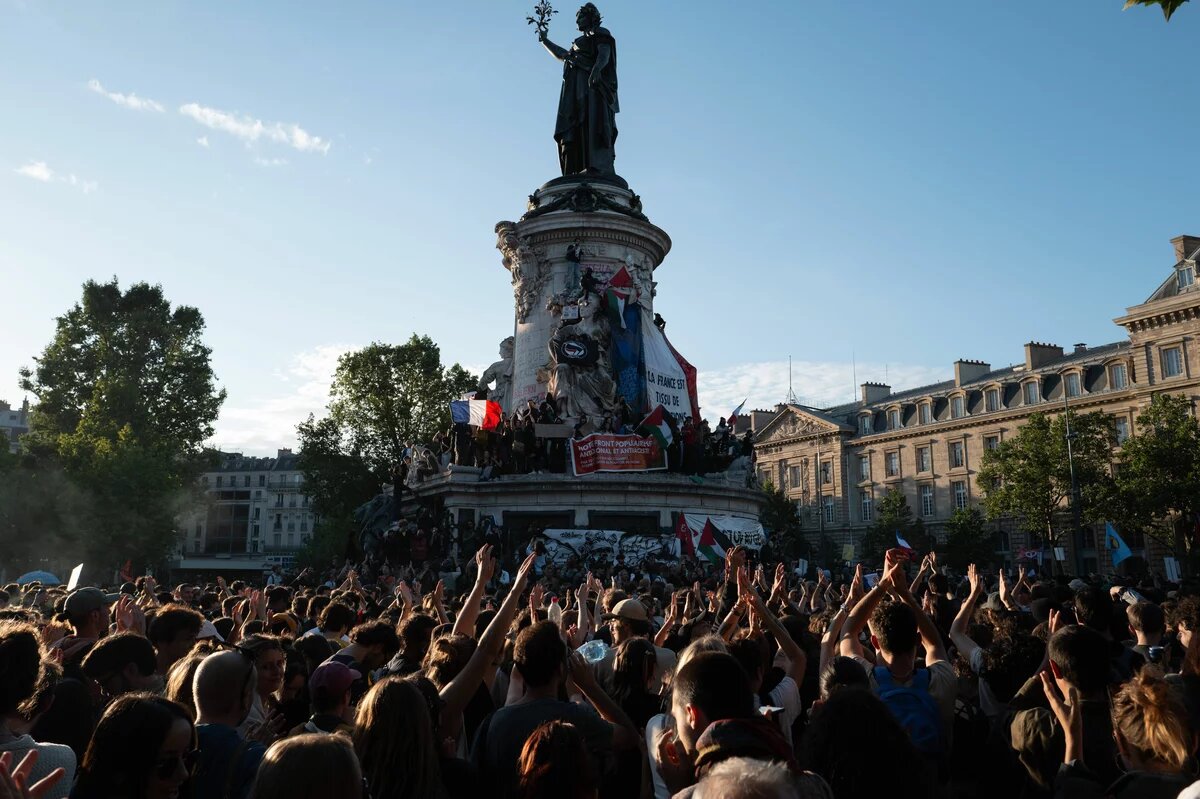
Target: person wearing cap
x=329 y=691
x=87 y=613
x=629 y=620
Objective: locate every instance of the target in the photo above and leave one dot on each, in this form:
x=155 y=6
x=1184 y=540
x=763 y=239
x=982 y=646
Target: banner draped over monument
x=607 y=452
x=666 y=382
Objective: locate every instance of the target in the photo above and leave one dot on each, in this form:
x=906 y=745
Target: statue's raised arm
x=586 y=129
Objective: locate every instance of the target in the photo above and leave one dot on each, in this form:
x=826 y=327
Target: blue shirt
x=217 y=775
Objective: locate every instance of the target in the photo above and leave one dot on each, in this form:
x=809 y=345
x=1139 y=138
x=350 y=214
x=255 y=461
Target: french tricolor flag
x=484 y=414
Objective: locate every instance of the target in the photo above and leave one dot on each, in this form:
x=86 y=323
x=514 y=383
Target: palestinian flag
x=713 y=544
x=620 y=289
x=655 y=426
x=684 y=534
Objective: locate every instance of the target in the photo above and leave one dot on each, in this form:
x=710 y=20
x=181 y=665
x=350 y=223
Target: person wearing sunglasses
x=143 y=748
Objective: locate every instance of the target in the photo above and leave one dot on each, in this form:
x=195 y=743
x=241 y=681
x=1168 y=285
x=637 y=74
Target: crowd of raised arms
x=754 y=680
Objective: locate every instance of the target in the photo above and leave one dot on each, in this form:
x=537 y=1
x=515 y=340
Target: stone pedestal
x=600 y=222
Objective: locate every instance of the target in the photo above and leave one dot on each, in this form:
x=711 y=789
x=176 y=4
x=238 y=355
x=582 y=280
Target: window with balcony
x=991 y=399
x=1071 y=381
x=1031 y=394
x=277 y=540
x=891 y=464
x=960 y=494
x=1172 y=364
x=958 y=455
x=1117 y=377
x=924 y=459
x=927 y=505
x=957 y=410
x=291 y=527
x=864 y=467
x=867 y=505
x=925 y=413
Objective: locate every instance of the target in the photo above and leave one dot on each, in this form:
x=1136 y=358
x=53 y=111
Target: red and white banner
x=607 y=452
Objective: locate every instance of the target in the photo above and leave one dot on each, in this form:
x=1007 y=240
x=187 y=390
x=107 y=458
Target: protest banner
x=608 y=452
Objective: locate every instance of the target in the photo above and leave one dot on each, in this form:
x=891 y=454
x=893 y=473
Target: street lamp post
x=1077 y=525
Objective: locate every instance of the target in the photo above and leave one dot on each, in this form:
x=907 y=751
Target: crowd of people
x=514 y=446
x=751 y=680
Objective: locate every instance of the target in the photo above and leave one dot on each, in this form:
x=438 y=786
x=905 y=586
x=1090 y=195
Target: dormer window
x=992 y=400
x=1030 y=393
x=1186 y=275
x=864 y=425
x=893 y=419
x=957 y=407
x=926 y=413
x=1117 y=377
x=1071 y=383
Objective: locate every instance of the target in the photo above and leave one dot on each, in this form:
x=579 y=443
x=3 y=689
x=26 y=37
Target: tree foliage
x=781 y=519
x=893 y=515
x=968 y=541
x=1169 y=7
x=1028 y=477
x=125 y=398
x=386 y=397
x=1158 y=482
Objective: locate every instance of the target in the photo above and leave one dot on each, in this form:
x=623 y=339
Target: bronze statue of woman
x=586 y=130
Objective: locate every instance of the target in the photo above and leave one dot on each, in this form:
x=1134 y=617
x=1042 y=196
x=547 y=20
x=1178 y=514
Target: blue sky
x=897 y=183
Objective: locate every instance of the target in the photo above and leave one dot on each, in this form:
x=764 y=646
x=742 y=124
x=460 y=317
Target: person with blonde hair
x=1154 y=742
x=309 y=767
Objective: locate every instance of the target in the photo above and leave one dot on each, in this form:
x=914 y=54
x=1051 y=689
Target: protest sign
x=607 y=452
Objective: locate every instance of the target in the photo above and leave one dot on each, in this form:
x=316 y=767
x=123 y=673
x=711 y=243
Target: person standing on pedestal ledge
x=586 y=130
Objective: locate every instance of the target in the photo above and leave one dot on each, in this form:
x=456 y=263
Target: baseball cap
x=993 y=601
x=333 y=678
x=209 y=630
x=631 y=609
x=85 y=600
x=1077 y=584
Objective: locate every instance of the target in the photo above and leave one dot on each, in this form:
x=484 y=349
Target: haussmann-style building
x=928 y=442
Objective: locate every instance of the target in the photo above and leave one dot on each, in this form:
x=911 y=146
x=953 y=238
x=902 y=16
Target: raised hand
x=526 y=568
x=1069 y=713
x=405 y=593
x=976 y=581
x=129 y=616
x=14 y=781
x=857 y=591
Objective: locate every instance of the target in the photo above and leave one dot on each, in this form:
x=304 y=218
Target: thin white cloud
x=131 y=100
x=41 y=171
x=270 y=161
x=37 y=170
x=251 y=130
x=262 y=425
x=202 y=141
x=816 y=383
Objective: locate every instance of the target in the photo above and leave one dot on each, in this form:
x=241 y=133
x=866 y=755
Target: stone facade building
x=14 y=423
x=928 y=442
x=255 y=515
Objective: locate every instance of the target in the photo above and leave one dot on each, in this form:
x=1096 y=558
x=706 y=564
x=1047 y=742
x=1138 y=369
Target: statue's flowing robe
x=586 y=129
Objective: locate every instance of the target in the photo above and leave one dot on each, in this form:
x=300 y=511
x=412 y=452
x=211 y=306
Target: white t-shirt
x=787 y=696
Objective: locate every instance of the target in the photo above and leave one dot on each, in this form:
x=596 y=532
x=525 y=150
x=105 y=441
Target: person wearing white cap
x=629 y=620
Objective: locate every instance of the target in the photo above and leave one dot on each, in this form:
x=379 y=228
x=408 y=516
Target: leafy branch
x=1169 y=7
x=542 y=12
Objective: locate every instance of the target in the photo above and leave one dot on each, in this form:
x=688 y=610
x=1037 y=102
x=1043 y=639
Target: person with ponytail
x=1155 y=744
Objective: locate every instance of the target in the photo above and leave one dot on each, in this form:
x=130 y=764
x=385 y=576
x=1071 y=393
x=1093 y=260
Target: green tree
x=1158 y=481
x=893 y=515
x=125 y=397
x=968 y=541
x=1169 y=7
x=781 y=519
x=386 y=397
x=1028 y=477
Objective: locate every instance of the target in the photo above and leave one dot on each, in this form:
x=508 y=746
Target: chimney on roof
x=1080 y=348
x=1185 y=246
x=967 y=371
x=874 y=392
x=1038 y=354
x=283 y=452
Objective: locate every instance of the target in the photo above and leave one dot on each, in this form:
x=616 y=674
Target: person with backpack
x=921 y=698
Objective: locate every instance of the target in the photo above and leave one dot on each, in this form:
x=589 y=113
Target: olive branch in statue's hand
x=542 y=12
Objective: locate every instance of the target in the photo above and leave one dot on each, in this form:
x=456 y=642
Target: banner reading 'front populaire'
x=607 y=452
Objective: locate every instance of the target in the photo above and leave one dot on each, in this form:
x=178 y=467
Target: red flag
x=684 y=534
x=689 y=372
